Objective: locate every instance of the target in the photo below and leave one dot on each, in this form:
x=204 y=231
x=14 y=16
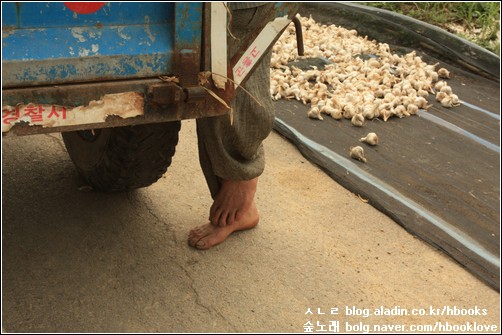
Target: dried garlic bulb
x=422 y=93
x=412 y=109
x=454 y=99
x=357 y=153
x=446 y=89
x=439 y=85
x=386 y=114
x=440 y=96
x=337 y=114
x=421 y=103
x=450 y=101
x=328 y=110
x=371 y=139
x=369 y=113
x=315 y=113
x=400 y=111
x=446 y=102
x=443 y=73
x=357 y=120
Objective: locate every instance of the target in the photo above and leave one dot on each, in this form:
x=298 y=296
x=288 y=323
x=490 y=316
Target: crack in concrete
x=150 y=210
x=198 y=299
x=160 y=221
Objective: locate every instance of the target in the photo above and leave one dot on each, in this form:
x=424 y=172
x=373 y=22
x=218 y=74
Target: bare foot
x=209 y=235
x=233 y=200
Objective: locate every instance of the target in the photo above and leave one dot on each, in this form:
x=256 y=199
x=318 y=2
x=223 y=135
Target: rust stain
x=7 y=31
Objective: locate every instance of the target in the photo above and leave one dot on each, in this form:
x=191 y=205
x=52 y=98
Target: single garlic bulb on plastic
x=446 y=89
x=450 y=101
x=446 y=102
x=358 y=120
x=421 y=103
x=439 y=85
x=454 y=99
x=314 y=113
x=371 y=139
x=328 y=110
x=412 y=109
x=337 y=114
x=440 y=96
x=357 y=153
x=386 y=114
x=443 y=73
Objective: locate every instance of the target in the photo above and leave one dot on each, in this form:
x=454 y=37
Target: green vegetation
x=478 y=22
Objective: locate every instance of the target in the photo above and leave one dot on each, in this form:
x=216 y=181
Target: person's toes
x=214 y=214
x=224 y=219
x=201 y=243
x=231 y=218
x=210 y=240
x=198 y=243
x=206 y=236
x=195 y=235
x=192 y=240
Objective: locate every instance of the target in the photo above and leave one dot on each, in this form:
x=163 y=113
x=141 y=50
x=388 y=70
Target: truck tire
x=123 y=158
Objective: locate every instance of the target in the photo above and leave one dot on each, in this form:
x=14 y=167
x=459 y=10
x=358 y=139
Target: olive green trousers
x=235 y=151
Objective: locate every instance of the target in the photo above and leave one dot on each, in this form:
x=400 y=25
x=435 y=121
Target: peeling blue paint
x=188 y=24
x=25 y=15
x=46 y=43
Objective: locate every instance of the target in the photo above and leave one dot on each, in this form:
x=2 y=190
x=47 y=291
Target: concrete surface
x=79 y=261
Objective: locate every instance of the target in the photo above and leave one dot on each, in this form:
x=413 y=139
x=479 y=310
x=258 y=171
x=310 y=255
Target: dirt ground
x=79 y=261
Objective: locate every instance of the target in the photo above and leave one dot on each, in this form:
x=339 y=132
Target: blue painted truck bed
x=47 y=43
x=54 y=57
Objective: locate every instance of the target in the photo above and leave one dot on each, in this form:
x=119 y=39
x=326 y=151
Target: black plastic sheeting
x=437 y=173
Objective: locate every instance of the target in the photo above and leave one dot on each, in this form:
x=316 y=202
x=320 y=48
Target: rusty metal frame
x=163 y=102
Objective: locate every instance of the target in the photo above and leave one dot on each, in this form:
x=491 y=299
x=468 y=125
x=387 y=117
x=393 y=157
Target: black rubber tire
x=124 y=158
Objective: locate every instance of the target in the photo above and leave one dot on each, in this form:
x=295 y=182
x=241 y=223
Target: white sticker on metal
x=256 y=50
x=124 y=105
x=219 y=43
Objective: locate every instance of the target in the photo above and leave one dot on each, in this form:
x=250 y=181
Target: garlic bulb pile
x=362 y=80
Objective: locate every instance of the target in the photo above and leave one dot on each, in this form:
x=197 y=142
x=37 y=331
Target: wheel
x=123 y=158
